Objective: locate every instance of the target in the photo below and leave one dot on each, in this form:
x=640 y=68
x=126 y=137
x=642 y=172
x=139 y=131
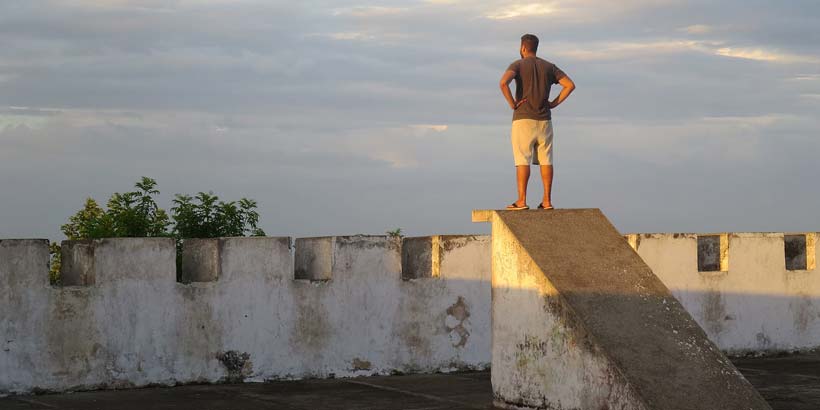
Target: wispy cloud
x=609 y=51
x=806 y=77
x=697 y=29
x=369 y=11
x=622 y=50
x=762 y=54
x=520 y=10
x=432 y=127
x=351 y=35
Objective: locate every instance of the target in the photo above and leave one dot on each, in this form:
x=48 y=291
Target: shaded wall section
x=758 y=293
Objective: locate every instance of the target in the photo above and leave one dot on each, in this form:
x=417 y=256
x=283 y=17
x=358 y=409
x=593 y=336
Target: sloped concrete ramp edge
x=579 y=321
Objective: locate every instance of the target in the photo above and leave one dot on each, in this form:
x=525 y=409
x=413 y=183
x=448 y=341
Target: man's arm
x=568 y=88
x=505 y=89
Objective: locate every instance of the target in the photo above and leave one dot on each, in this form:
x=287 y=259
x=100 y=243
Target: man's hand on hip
x=568 y=87
x=518 y=104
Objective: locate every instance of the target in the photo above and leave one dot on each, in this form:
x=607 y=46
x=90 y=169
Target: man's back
x=533 y=79
x=531 y=134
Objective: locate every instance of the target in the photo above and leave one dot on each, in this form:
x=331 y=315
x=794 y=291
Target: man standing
x=532 y=117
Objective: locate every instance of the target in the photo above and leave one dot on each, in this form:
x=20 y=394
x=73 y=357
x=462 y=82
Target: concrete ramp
x=581 y=322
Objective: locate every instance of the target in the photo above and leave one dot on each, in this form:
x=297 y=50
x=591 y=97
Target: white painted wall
x=541 y=357
x=137 y=326
x=755 y=306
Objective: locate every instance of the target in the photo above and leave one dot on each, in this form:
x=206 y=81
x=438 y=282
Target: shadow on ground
x=791 y=382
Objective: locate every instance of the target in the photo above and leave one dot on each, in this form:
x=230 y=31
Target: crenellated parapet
x=751 y=292
x=258 y=308
x=250 y=308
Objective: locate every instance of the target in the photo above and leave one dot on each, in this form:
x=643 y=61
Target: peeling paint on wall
x=456 y=322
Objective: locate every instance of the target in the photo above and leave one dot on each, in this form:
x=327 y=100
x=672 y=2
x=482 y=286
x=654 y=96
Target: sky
x=354 y=117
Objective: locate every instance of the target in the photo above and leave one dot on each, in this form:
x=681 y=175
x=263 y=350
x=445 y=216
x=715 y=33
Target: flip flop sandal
x=541 y=206
x=514 y=207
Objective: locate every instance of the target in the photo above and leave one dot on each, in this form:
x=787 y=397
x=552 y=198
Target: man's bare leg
x=522 y=176
x=546 y=178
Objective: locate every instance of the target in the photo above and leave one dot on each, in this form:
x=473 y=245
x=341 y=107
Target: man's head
x=529 y=44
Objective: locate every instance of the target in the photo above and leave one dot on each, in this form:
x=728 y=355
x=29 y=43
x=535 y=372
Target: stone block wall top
x=314 y=258
x=420 y=257
x=91 y=262
x=77 y=263
x=23 y=262
x=200 y=261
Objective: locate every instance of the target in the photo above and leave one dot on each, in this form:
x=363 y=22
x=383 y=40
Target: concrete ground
x=791 y=382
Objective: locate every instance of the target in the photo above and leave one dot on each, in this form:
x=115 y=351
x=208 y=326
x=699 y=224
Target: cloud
x=761 y=54
x=610 y=51
x=30 y=118
x=436 y=128
x=697 y=29
x=351 y=35
x=806 y=77
x=300 y=103
x=369 y=11
x=625 y=50
x=520 y=10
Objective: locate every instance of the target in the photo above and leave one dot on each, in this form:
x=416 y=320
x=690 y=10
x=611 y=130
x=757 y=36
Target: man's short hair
x=530 y=42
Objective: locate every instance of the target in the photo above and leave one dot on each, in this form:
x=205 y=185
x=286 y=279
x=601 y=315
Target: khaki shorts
x=532 y=142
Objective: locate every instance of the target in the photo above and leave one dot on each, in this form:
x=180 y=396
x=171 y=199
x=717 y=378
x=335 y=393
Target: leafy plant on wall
x=204 y=216
x=136 y=215
x=396 y=233
x=129 y=215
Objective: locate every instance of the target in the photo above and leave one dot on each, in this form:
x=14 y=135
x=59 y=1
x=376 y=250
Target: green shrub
x=54 y=263
x=132 y=214
x=204 y=216
x=136 y=214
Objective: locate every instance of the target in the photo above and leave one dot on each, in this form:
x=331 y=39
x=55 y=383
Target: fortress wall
x=24 y=309
x=125 y=321
x=367 y=319
x=116 y=332
x=751 y=302
x=266 y=308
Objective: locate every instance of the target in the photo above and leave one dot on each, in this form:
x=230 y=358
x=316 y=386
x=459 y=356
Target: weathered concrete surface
x=78 y=266
x=374 y=309
x=135 y=325
x=117 y=331
x=417 y=258
x=754 y=304
x=200 y=261
x=787 y=383
x=580 y=322
x=23 y=312
x=314 y=258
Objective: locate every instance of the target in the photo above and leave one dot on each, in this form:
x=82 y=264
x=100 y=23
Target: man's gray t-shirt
x=533 y=79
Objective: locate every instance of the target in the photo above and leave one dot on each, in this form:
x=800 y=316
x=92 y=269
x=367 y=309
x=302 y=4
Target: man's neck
x=528 y=55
